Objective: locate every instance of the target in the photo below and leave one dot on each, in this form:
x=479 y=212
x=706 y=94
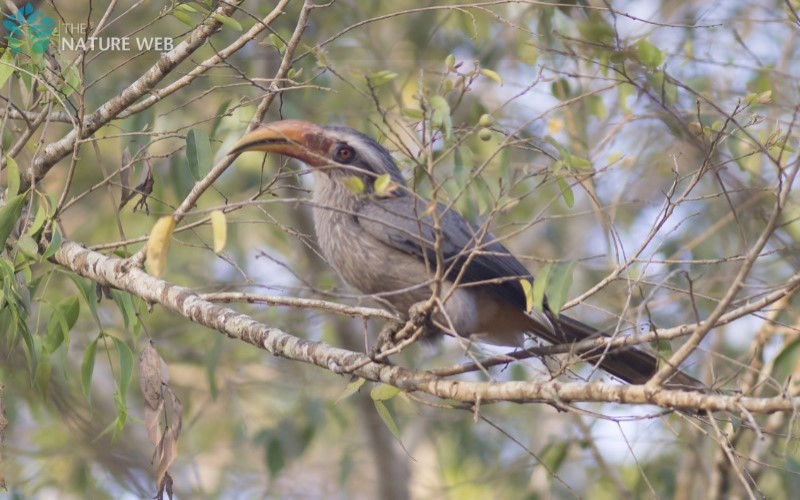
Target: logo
x=28 y=31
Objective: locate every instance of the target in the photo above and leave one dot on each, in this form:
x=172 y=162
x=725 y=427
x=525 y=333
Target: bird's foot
x=385 y=342
x=395 y=337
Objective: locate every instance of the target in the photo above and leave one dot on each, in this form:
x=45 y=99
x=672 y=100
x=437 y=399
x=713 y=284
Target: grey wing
x=468 y=251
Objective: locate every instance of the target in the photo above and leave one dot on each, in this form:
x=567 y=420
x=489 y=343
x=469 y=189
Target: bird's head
x=338 y=152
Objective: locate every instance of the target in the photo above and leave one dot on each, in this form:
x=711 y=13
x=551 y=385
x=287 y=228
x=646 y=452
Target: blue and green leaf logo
x=29 y=31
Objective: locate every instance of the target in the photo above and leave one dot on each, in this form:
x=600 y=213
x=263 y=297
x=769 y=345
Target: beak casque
x=296 y=138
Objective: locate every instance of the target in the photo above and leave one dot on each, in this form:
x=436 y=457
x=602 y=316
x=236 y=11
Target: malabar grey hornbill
x=388 y=243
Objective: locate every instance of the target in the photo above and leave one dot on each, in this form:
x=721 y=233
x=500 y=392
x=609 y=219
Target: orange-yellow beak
x=302 y=140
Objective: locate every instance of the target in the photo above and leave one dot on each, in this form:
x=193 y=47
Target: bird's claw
x=391 y=338
x=384 y=342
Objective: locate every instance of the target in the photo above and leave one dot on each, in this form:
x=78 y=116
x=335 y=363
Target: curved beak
x=296 y=138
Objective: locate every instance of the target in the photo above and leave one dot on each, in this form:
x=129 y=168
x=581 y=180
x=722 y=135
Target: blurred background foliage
x=565 y=126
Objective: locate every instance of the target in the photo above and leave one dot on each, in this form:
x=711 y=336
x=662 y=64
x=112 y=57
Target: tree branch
x=118 y=273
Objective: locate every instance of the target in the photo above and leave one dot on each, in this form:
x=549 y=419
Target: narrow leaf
x=158 y=245
x=566 y=191
x=52 y=248
x=382 y=184
x=12 y=176
x=220 y=229
x=383 y=392
x=125 y=366
x=539 y=286
x=351 y=389
x=198 y=152
x=527 y=288
x=354 y=184
x=183 y=17
x=6 y=67
x=558 y=286
x=493 y=75
x=228 y=21
x=8 y=217
x=87 y=369
x=383 y=411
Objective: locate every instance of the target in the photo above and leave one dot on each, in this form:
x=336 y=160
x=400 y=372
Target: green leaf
x=72 y=80
x=42 y=376
x=7 y=67
x=383 y=411
x=558 y=286
x=560 y=89
x=441 y=115
x=9 y=215
x=183 y=17
x=38 y=221
x=566 y=191
x=786 y=361
x=125 y=366
x=539 y=286
x=413 y=113
x=69 y=308
x=87 y=369
x=89 y=293
x=212 y=362
x=485 y=198
x=351 y=389
x=649 y=55
x=597 y=107
x=12 y=177
x=27 y=245
x=275 y=41
x=381 y=78
x=62 y=319
x=55 y=244
x=276 y=460
x=185 y=7
x=553 y=455
x=219 y=115
x=198 y=152
x=228 y=21
x=597 y=30
x=383 y=392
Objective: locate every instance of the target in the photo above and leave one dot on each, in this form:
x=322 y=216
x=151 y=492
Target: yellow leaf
x=555 y=125
x=528 y=289
x=158 y=245
x=493 y=75
x=383 y=185
x=220 y=229
x=354 y=184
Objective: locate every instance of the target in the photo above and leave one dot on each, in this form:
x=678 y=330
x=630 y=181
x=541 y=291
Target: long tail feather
x=631 y=364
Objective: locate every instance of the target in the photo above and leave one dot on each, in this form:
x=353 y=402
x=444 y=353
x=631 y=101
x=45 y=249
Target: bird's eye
x=344 y=153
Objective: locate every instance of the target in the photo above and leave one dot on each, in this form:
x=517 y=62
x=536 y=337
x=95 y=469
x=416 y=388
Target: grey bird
x=389 y=243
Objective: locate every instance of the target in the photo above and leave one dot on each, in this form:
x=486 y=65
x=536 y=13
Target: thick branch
x=118 y=273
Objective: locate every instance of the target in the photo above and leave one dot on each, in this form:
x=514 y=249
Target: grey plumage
x=386 y=246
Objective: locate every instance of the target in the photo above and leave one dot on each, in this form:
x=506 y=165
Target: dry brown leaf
x=161 y=405
x=152 y=380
